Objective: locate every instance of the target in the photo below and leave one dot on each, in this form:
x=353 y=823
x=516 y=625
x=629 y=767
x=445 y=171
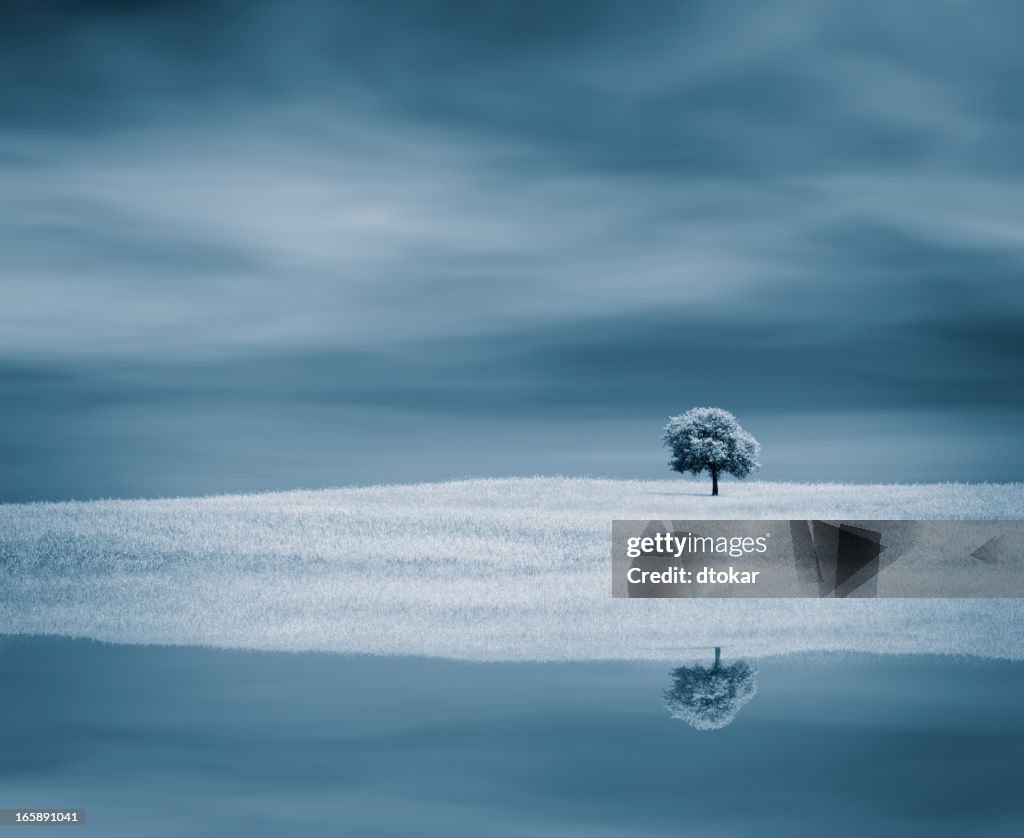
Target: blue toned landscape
x=516 y=569
x=327 y=243
x=447 y=659
x=334 y=336
x=203 y=742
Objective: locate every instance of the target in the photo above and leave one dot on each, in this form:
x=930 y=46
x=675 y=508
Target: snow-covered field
x=477 y=569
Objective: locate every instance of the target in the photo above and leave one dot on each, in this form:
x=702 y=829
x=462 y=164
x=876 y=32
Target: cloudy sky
x=260 y=246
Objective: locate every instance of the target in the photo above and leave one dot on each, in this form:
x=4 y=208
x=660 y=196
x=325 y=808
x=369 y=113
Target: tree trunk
x=718 y=656
x=714 y=481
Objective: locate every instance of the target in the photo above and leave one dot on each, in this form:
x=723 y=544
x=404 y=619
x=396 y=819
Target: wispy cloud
x=522 y=205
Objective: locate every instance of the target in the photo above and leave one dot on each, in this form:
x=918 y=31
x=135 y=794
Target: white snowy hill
x=475 y=569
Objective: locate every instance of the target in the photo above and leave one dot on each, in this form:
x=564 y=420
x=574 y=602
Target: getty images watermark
x=817 y=558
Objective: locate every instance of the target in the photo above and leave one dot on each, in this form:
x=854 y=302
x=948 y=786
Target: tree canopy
x=710 y=439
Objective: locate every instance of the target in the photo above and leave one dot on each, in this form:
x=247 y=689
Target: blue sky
x=261 y=246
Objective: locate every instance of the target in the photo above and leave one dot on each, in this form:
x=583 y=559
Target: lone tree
x=710 y=698
x=710 y=439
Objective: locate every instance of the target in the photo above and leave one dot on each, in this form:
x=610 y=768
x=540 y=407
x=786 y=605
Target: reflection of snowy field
x=483 y=569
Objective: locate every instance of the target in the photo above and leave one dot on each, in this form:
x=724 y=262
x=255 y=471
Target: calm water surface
x=185 y=741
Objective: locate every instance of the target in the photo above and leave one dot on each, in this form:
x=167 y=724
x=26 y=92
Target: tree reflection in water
x=708 y=698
